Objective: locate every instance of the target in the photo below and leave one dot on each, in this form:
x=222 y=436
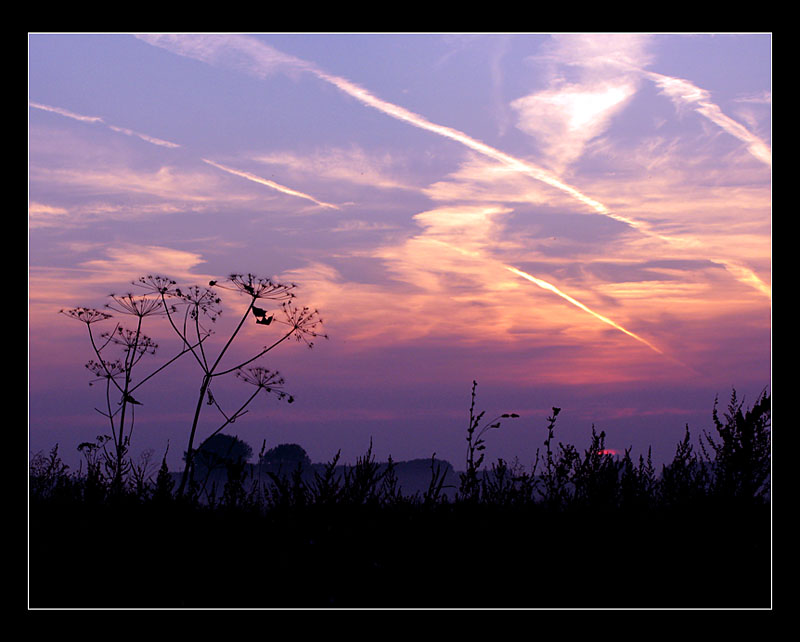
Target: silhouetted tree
x=220 y=450
x=285 y=456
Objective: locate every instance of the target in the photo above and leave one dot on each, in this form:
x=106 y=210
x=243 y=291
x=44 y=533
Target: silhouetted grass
x=580 y=529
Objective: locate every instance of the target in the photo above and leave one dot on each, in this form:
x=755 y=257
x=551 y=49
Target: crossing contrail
x=259 y=59
x=758 y=148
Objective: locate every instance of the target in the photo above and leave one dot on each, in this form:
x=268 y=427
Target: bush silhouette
x=740 y=464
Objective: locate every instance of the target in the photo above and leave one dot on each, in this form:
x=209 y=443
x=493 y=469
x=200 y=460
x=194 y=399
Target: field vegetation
x=579 y=528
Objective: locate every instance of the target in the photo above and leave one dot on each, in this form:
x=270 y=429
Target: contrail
x=67 y=113
x=259 y=59
x=97 y=119
x=552 y=288
x=682 y=91
x=708 y=109
x=746 y=275
x=145 y=137
x=165 y=143
x=268 y=183
x=400 y=113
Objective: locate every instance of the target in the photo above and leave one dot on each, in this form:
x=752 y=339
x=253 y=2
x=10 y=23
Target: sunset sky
x=572 y=220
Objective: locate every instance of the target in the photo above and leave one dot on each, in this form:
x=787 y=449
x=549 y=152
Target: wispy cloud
x=252 y=56
x=348 y=165
x=241 y=53
x=41 y=215
x=566 y=118
x=451 y=227
x=566 y=115
x=516 y=164
x=120 y=264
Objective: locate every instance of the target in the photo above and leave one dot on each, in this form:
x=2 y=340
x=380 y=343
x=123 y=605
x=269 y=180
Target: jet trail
x=261 y=59
x=552 y=288
x=165 y=143
x=739 y=272
x=98 y=119
x=682 y=91
x=268 y=183
x=400 y=113
x=67 y=113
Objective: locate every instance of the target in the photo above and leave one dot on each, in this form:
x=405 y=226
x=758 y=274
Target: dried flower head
x=158 y=284
x=138 y=306
x=260 y=288
x=86 y=315
x=105 y=370
x=200 y=301
x=305 y=322
x=131 y=339
x=267 y=380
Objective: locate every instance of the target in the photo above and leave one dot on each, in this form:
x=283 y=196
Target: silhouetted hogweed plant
x=191 y=312
x=132 y=345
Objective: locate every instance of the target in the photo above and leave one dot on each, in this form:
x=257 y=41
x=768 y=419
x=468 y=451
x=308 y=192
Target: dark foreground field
x=583 y=530
x=401 y=556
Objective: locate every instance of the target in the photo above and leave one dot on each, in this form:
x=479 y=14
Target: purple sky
x=573 y=220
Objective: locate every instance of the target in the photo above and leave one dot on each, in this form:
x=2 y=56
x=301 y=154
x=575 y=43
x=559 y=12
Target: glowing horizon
x=414 y=186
